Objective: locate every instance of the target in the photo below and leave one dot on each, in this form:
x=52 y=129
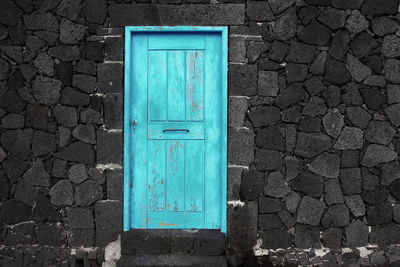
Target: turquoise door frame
x=147 y=131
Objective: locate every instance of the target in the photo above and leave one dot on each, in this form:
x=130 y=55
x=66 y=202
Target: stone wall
x=313 y=142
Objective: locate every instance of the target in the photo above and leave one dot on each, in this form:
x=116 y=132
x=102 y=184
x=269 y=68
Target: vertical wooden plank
x=138 y=149
x=157 y=80
x=224 y=128
x=156 y=172
x=213 y=126
x=194 y=175
x=127 y=132
x=176 y=85
x=194 y=85
x=175 y=181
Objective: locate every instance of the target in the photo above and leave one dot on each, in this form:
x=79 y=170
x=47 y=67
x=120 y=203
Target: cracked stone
x=350 y=138
x=59 y=169
x=276 y=185
x=309 y=184
x=332 y=238
x=335 y=72
x=44 y=21
x=252 y=185
x=62 y=193
x=355 y=205
x=271 y=138
x=349 y=158
x=255 y=49
x=316 y=34
x=336 y=216
x=296 y=72
x=376 y=196
x=292 y=201
x=69 y=9
x=43 y=143
x=259 y=11
x=71 y=33
x=87 y=193
x=77 y=173
x=78 y=152
x=326 y=165
x=277 y=6
x=340 y=45
x=379 y=214
x=285 y=26
x=293 y=94
x=37 y=175
x=379 y=132
x=80 y=218
x=310 y=145
x=318 y=66
x=333 y=193
x=357 y=70
x=270 y=160
x=12 y=102
x=268 y=83
x=43 y=210
x=278 y=51
x=390 y=172
x=95 y=10
x=310 y=211
x=307 y=237
x=300 y=53
x=264 y=116
x=376 y=154
x=65 y=52
x=72 y=97
x=17 y=142
x=85 y=133
x=315 y=107
x=65 y=116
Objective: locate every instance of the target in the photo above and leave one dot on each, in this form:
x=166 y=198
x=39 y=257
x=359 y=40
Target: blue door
x=175 y=128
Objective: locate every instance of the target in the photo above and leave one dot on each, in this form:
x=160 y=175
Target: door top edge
x=175 y=28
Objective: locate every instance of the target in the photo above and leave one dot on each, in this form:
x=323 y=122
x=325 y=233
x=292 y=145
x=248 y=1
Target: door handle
x=175 y=130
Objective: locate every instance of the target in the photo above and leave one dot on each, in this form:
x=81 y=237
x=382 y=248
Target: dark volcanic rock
x=309 y=184
x=17 y=142
x=316 y=34
x=271 y=138
x=252 y=185
x=335 y=72
x=312 y=144
x=293 y=94
x=78 y=152
x=383 y=7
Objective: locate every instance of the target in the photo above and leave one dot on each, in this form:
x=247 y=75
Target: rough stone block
x=115 y=184
x=109 y=147
x=242 y=80
x=108 y=214
x=109 y=78
x=113 y=111
x=240 y=146
x=237 y=49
